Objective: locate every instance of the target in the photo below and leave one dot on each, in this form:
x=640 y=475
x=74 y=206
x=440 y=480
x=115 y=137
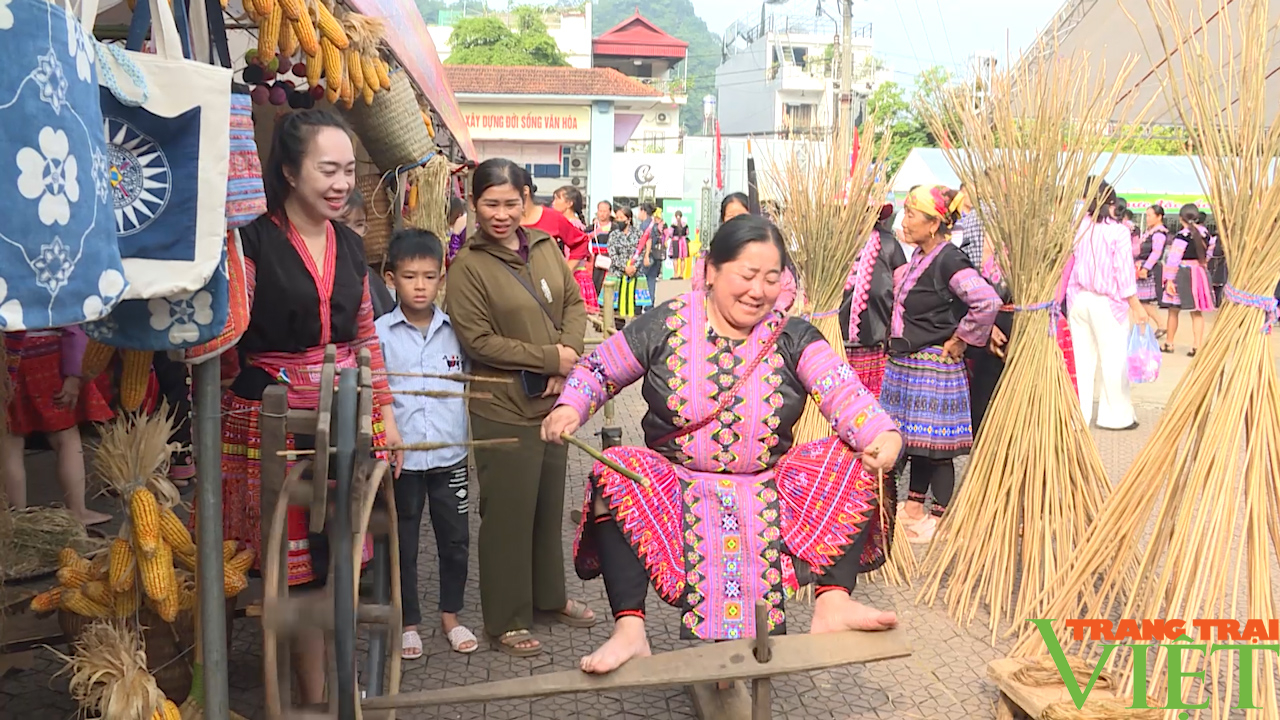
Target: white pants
x=1100 y=340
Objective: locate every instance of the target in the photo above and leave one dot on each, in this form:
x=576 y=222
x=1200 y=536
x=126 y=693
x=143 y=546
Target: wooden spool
x=372 y=513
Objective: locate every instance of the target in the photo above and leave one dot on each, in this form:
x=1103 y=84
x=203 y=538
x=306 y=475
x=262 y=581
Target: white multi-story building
x=639 y=49
x=780 y=74
x=571 y=29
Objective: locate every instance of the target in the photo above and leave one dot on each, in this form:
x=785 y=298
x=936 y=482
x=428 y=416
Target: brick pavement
x=944 y=678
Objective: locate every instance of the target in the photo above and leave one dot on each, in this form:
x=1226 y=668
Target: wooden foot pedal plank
x=711 y=703
x=1032 y=700
x=712 y=662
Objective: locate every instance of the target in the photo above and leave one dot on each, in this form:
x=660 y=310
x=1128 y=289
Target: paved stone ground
x=944 y=677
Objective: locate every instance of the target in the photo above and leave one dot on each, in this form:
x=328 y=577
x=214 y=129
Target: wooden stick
x=455 y=377
x=411 y=447
x=600 y=458
x=466 y=395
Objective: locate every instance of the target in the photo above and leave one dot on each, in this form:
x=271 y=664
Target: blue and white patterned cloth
x=971 y=237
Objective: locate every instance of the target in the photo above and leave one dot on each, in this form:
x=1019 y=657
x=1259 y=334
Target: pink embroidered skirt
x=868 y=363
x=588 y=287
x=713 y=543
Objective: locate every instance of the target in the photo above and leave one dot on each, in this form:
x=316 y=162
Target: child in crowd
x=417 y=338
x=49 y=397
x=355 y=216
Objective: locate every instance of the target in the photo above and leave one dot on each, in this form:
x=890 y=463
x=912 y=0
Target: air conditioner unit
x=577 y=164
x=578 y=181
x=662 y=118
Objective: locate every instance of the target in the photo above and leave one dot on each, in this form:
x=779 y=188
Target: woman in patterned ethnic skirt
x=1147 y=262
x=308 y=285
x=1186 y=277
x=868 y=302
x=941 y=307
x=49 y=397
x=733 y=511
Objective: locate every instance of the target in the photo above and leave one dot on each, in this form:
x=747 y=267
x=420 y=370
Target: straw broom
x=1035 y=480
x=1216 y=451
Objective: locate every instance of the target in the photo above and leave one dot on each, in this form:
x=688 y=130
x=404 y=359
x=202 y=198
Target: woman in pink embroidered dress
x=868 y=302
x=733 y=511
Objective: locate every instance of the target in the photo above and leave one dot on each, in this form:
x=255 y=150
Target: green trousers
x=521 y=519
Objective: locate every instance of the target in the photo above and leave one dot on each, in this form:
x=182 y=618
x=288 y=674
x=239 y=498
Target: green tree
x=1155 y=140
x=679 y=19
x=488 y=41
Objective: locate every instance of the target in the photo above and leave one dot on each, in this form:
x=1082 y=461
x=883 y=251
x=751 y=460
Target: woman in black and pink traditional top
x=1147 y=261
x=1186 y=277
x=868 y=301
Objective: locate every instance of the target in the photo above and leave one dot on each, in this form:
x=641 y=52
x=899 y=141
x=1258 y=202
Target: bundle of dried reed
x=134 y=452
x=1216 y=452
x=1028 y=147
x=109 y=676
x=827 y=207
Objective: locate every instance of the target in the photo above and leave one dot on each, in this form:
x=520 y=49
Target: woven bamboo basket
x=391 y=129
x=378 y=215
x=169 y=646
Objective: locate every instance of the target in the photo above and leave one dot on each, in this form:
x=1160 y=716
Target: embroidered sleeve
x=599 y=376
x=1157 y=249
x=841 y=397
x=983 y=302
x=367 y=337
x=72 y=345
x=1176 y=251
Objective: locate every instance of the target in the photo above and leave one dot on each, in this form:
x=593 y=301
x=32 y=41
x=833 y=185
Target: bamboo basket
x=1206 y=485
x=1035 y=480
x=391 y=129
x=379 y=214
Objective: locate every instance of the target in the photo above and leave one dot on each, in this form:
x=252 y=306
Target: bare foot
x=91 y=517
x=835 y=612
x=627 y=641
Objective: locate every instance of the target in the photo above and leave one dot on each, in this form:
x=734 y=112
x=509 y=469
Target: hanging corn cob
x=330 y=27
x=305 y=30
x=122 y=566
x=133 y=381
x=288 y=40
x=175 y=532
x=269 y=33
x=144 y=514
x=293 y=9
x=47 y=601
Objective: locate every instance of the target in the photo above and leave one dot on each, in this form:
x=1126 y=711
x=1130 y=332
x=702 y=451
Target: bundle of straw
x=35 y=537
x=429 y=197
x=109 y=676
x=134 y=452
x=828 y=206
x=1035 y=480
x=1216 y=452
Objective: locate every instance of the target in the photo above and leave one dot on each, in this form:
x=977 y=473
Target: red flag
x=719 y=169
x=946 y=140
x=857 y=145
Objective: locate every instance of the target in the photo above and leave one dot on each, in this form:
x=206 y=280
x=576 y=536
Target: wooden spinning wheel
x=361 y=505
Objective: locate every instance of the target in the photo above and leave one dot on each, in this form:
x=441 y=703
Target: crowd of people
x=734 y=509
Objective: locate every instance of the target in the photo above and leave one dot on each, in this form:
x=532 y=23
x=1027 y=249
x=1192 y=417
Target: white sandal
x=921 y=532
x=460 y=636
x=411 y=645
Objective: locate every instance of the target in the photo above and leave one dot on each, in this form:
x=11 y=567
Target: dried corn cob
x=293 y=9
x=168 y=608
x=68 y=556
x=315 y=69
x=186 y=559
x=332 y=64
x=384 y=73
x=264 y=7
x=355 y=70
x=288 y=41
x=305 y=31
x=233 y=582
x=125 y=604
x=369 y=68
x=75 y=574
x=367 y=94
x=98 y=567
x=47 y=601
x=158 y=578
x=269 y=33
x=229 y=548
x=187 y=597
x=76 y=602
x=97 y=591
x=330 y=27
x=95 y=360
x=348 y=93
x=175 y=532
x=133 y=381
x=168 y=711
x=331 y=92
x=242 y=561
x=122 y=569
x=144 y=515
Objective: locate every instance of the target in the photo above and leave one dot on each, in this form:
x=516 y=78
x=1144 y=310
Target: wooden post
x=761 y=688
x=272 y=424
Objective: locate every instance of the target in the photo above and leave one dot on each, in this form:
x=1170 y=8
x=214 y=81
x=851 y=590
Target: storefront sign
x=1168 y=202
x=550 y=123
x=633 y=171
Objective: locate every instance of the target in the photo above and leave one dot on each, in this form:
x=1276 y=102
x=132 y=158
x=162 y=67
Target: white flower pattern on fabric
x=53 y=266
x=182 y=315
x=53 y=84
x=6 y=15
x=10 y=309
x=102 y=330
x=50 y=175
x=111 y=285
x=101 y=175
x=80 y=47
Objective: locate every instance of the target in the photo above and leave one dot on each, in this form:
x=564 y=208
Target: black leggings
x=626 y=581
x=940 y=475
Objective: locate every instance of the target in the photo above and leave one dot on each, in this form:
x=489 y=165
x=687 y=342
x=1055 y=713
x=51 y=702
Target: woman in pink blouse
x=1102 y=306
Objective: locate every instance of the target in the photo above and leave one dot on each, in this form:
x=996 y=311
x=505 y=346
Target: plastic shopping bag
x=1144 y=355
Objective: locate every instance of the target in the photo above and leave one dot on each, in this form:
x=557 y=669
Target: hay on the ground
x=36 y=535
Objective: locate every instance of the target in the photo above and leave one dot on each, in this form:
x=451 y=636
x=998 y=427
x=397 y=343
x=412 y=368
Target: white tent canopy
x=1105 y=30
x=1137 y=174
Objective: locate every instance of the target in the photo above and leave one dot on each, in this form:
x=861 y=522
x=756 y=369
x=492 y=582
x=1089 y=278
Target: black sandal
x=1166 y=348
x=1191 y=352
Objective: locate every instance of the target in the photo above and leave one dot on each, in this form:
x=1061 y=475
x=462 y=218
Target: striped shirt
x=1103 y=265
x=971 y=237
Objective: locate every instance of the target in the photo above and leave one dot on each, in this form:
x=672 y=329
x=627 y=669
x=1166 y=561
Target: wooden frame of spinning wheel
x=367 y=481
